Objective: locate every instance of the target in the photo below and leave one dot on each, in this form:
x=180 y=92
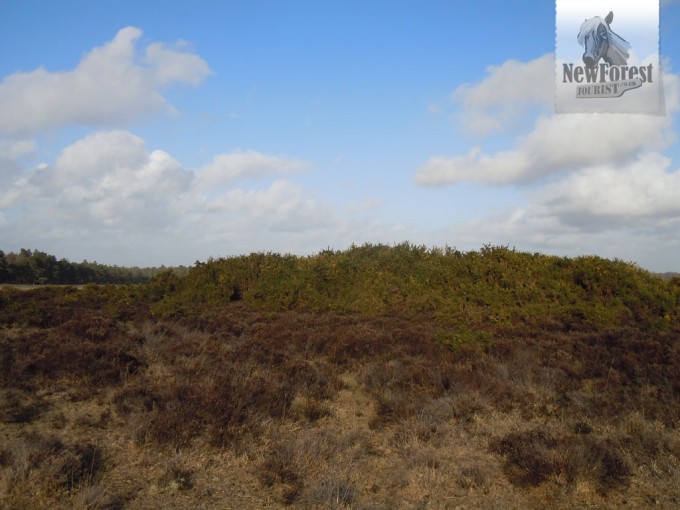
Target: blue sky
x=147 y=133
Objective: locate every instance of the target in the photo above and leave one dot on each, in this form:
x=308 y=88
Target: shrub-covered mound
x=493 y=286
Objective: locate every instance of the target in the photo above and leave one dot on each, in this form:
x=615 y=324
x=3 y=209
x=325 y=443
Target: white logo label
x=607 y=56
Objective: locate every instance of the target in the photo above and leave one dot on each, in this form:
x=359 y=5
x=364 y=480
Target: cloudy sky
x=165 y=132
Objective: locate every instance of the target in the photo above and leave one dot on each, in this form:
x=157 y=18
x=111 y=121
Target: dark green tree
x=4 y=273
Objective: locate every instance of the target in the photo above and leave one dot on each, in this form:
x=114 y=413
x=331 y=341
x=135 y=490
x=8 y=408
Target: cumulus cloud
x=642 y=193
x=281 y=207
x=10 y=153
x=106 y=180
x=112 y=85
x=172 y=65
x=239 y=164
x=505 y=94
x=109 y=189
x=557 y=143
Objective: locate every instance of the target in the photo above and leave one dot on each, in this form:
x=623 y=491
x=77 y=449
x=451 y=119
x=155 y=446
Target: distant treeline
x=34 y=267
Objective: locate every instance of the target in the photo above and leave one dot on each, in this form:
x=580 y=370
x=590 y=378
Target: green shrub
x=495 y=286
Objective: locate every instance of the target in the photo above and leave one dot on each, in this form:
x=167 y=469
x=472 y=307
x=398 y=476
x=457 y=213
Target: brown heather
x=376 y=378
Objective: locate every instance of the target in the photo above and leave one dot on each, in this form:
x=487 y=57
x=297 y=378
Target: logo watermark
x=607 y=56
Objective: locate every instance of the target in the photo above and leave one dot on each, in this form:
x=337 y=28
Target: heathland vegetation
x=375 y=377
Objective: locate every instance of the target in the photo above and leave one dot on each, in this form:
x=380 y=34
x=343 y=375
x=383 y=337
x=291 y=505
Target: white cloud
x=226 y=168
x=503 y=168
x=10 y=153
x=10 y=149
x=639 y=194
x=100 y=153
x=106 y=180
x=113 y=84
x=108 y=191
x=558 y=143
x=505 y=94
x=281 y=207
x=175 y=66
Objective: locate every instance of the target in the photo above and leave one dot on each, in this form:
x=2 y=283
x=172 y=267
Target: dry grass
x=239 y=408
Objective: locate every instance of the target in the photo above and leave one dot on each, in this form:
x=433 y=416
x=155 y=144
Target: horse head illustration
x=600 y=42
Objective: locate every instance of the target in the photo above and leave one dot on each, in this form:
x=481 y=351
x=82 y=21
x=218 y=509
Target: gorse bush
x=492 y=286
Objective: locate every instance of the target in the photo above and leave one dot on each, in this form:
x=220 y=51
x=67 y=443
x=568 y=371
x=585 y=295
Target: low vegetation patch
x=377 y=377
